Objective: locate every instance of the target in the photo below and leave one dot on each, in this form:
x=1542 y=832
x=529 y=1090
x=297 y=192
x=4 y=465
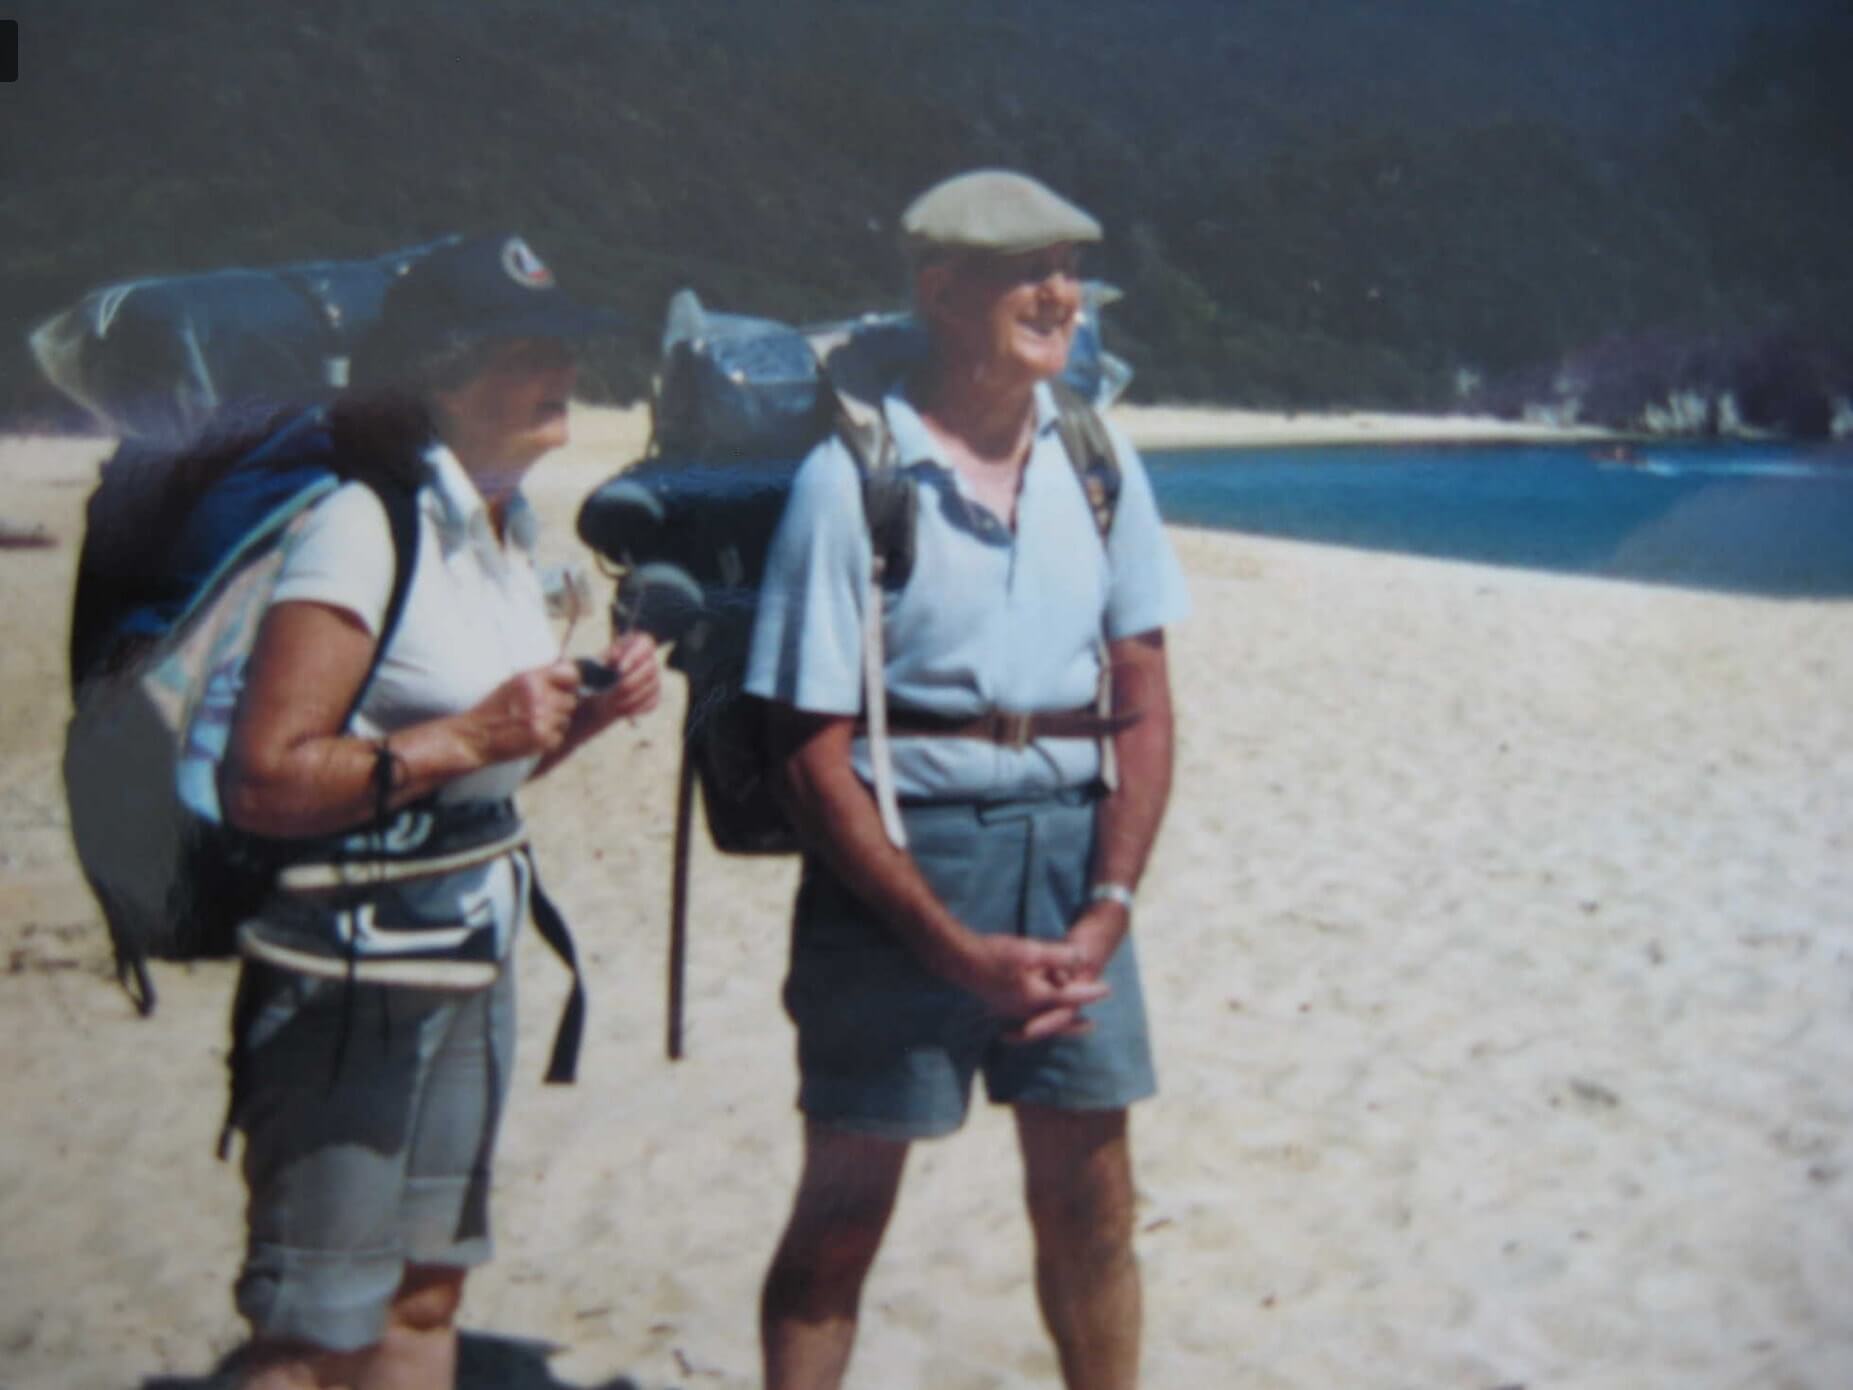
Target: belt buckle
x=1013 y=728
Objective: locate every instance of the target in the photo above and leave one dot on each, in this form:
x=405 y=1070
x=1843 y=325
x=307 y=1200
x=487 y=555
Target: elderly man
x=997 y=940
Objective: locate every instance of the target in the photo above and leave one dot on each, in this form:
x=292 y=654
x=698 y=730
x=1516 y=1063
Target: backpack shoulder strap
x=1097 y=468
x=1090 y=451
x=888 y=506
x=401 y=506
x=852 y=385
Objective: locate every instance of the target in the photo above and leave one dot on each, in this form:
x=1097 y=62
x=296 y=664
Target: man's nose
x=1058 y=282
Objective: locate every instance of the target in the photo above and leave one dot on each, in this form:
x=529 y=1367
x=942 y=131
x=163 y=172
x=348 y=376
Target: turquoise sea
x=1760 y=518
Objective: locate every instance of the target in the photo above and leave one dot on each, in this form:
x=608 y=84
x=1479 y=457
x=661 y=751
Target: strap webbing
x=875 y=707
x=678 y=900
x=1097 y=469
x=563 y=1063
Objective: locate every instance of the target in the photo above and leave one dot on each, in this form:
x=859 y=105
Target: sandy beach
x=1499 y=953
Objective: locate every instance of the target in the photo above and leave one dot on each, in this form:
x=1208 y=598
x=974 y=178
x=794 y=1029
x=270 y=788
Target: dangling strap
x=563 y=1064
x=875 y=707
x=888 y=509
x=678 y=900
x=1103 y=706
x=244 y=1012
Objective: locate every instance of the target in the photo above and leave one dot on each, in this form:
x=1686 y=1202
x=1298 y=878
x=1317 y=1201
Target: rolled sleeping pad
x=622 y=518
x=658 y=598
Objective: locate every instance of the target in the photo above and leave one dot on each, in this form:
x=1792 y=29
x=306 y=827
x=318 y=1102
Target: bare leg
x=1077 y=1170
x=807 y=1314
x=417 y=1352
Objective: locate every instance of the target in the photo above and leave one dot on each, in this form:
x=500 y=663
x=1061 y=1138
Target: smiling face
x=509 y=411
x=1008 y=319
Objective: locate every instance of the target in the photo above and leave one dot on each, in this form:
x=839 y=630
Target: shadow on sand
x=484 y=1362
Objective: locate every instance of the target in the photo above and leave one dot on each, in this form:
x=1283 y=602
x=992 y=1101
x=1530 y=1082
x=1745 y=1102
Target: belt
x=1009 y=728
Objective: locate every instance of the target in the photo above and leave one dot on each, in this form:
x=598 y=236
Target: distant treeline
x=1308 y=204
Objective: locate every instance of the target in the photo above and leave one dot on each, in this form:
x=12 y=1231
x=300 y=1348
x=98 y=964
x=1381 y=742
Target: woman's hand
x=292 y=769
x=528 y=715
x=635 y=687
x=638 y=684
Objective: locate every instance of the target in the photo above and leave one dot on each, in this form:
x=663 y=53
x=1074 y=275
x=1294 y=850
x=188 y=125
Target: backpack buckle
x=1013 y=728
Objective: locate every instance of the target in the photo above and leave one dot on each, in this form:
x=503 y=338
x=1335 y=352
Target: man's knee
x=832 y=1244
x=428 y=1299
x=1078 y=1182
x=1081 y=1223
x=844 y=1200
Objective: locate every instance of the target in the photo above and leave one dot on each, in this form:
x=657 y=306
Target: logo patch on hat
x=524 y=267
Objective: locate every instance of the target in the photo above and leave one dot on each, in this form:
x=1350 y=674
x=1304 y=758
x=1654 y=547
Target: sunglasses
x=1028 y=267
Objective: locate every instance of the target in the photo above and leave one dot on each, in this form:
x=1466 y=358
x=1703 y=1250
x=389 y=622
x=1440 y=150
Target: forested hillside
x=1309 y=203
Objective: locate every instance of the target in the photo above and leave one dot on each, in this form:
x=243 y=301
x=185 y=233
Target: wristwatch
x=1111 y=893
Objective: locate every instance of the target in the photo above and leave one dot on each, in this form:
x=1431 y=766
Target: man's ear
x=933 y=284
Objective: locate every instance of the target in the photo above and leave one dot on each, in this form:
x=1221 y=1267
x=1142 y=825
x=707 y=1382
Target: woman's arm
x=290 y=770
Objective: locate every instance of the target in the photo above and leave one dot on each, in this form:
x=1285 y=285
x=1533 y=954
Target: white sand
x=1498 y=944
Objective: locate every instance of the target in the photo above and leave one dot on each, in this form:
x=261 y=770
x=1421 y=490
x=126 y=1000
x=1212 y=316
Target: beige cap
x=991 y=210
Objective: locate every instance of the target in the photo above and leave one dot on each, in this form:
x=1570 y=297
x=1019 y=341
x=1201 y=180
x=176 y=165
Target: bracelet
x=1111 y=893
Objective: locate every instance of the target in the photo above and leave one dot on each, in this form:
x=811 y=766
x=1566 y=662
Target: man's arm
x=1038 y=982
x=1129 y=816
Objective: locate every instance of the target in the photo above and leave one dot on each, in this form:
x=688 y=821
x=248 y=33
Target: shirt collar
x=914 y=442
x=460 y=512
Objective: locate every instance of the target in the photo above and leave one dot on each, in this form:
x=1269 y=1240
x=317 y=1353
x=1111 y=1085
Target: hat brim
x=385 y=356
x=919 y=248
x=561 y=320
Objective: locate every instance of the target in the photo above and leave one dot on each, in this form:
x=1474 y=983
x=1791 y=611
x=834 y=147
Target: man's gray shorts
x=370 y=1117
x=887 y=1048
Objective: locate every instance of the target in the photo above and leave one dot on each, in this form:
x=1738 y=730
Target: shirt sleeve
x=341 y=555
x=1146 y=587
x=807 y=634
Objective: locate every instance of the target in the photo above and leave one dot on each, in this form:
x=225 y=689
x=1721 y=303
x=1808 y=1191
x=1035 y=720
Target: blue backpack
x=163 y=357
x=181 y=550
x=181 y=553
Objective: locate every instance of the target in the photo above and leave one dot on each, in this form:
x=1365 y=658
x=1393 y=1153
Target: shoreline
x=1166 y=426
x=1209 y=427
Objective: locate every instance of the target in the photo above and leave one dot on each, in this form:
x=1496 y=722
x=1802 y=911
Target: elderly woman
x=996 y=941
x=373 y=1039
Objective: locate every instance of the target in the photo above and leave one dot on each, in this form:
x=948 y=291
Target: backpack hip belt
x=420 y=841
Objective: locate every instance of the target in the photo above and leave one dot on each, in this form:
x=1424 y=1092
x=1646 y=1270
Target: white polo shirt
x=474 y=616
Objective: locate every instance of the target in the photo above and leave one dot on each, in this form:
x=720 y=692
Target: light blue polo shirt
x=989 y=619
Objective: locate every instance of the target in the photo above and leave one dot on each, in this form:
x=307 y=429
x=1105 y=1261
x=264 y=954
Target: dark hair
x=378 y=368
x=149 y=489
x=381 y=434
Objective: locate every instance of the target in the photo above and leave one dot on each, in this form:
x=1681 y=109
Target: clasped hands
x=1044 y=985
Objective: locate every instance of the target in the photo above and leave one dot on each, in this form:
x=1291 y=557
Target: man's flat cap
x=991 y=210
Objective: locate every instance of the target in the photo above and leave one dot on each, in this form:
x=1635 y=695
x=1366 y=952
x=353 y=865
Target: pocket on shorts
x=946 y=862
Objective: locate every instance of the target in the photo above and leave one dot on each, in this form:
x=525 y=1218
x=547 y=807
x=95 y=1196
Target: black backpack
x=737 y=406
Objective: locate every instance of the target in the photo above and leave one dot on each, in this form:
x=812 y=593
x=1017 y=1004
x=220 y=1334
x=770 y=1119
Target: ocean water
x=1758 y=518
